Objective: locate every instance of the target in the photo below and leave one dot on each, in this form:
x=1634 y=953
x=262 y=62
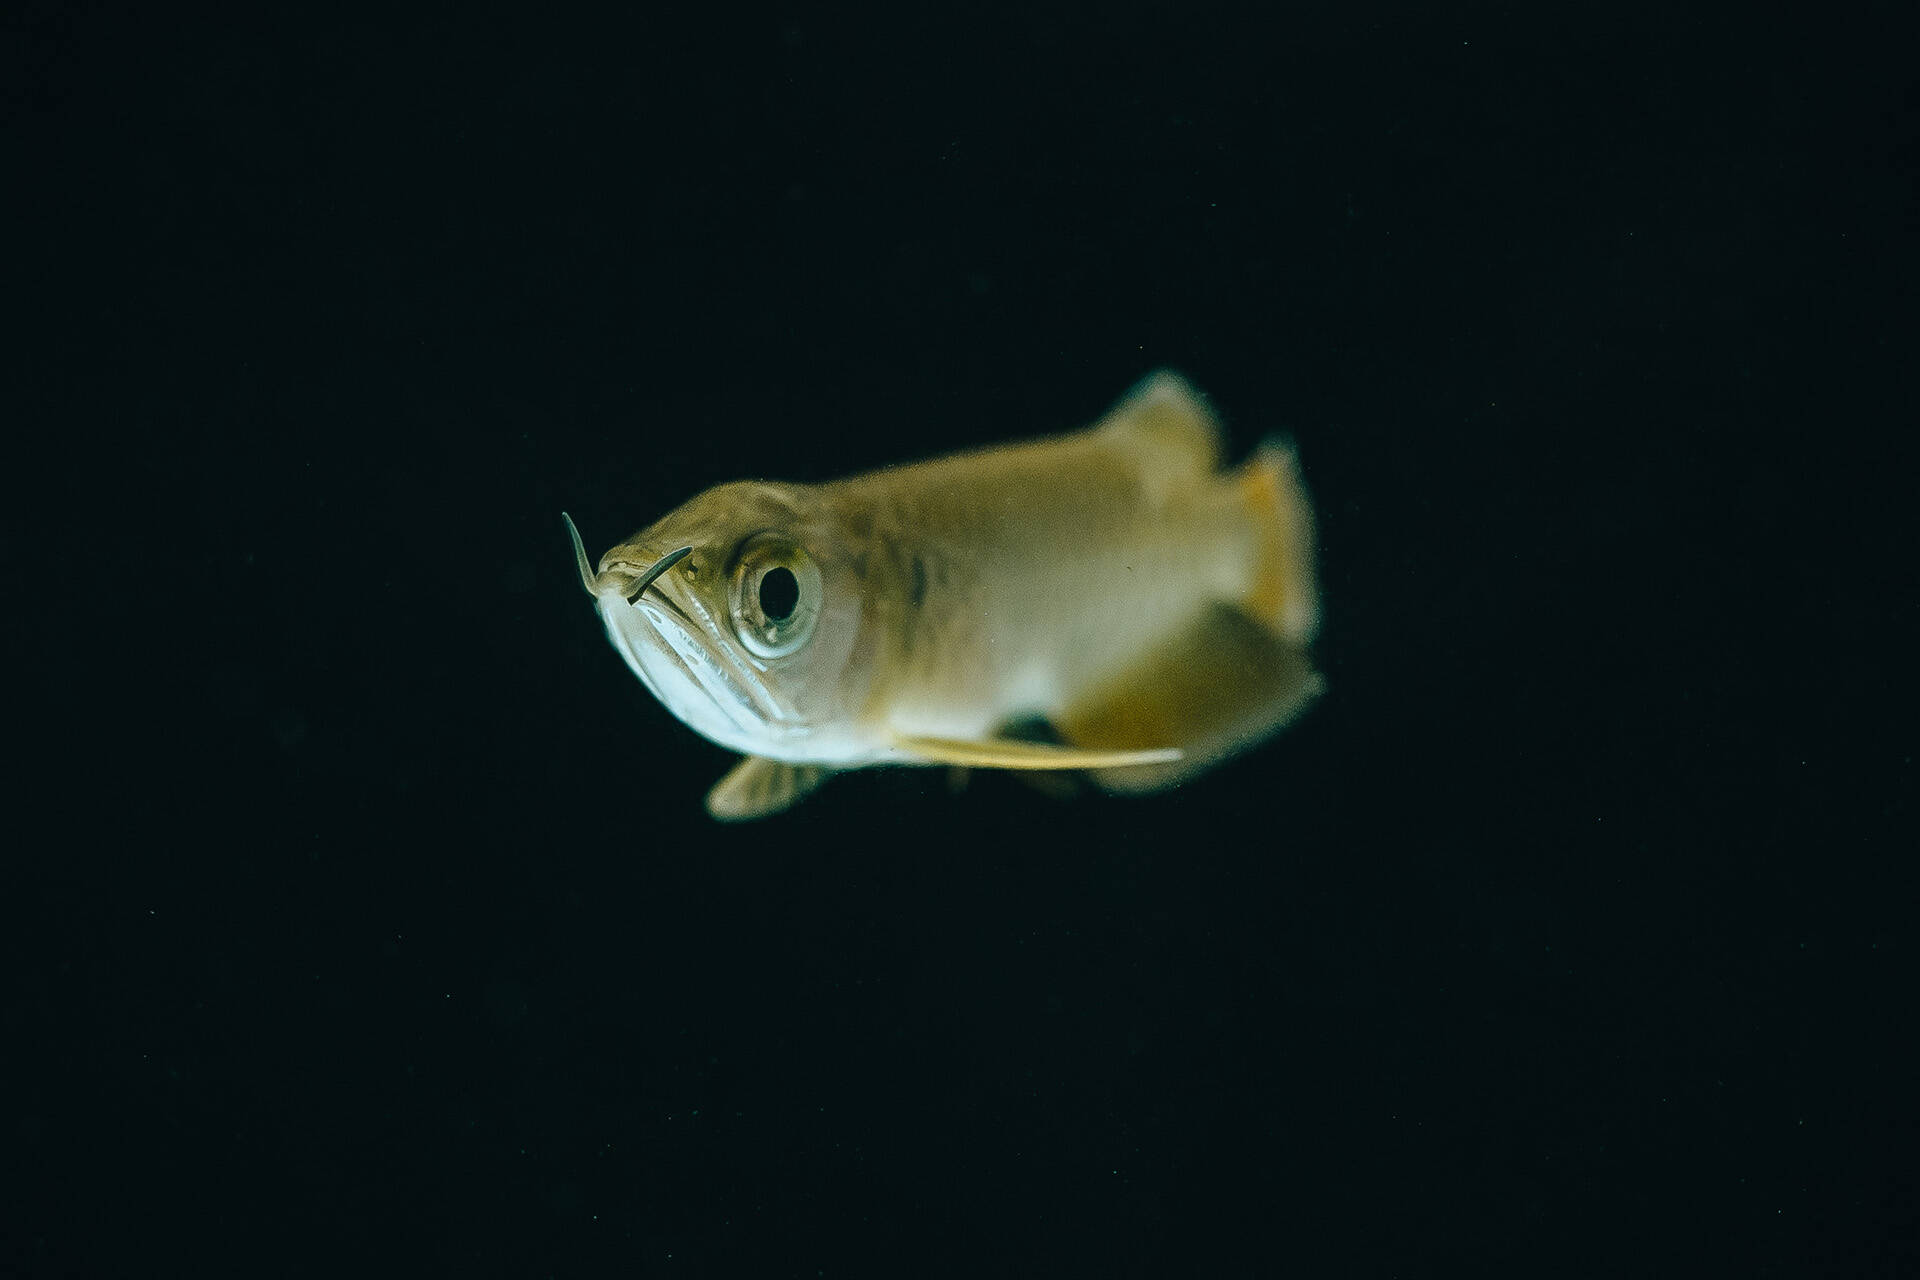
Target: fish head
x=741 y=613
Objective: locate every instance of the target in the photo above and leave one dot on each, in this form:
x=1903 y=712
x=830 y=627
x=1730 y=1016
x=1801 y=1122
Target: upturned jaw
x=689 y=675
x=668 y=638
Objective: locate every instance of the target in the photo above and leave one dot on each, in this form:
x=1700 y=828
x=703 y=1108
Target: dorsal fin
x=1168 y=415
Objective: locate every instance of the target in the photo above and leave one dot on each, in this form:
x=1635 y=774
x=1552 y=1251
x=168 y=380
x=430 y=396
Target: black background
x=366 y=906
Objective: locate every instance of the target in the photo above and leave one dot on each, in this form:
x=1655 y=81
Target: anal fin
x=1220 y=686
x=758 y=788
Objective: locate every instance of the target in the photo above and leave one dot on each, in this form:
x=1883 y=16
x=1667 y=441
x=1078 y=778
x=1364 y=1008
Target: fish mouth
x=679 y=651
x=668 y=643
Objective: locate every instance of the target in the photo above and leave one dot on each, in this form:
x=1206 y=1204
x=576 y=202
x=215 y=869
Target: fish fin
x=1055 y=784
x=1218 y=688
x=1165 y=412
x=1008 y=753
x=1284 y=598
x=758 y=788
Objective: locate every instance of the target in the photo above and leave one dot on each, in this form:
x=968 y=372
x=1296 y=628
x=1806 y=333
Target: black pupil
x=779 y=594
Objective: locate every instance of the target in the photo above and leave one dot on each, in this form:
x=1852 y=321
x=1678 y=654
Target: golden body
x=1012 y=582
x=1113 y=583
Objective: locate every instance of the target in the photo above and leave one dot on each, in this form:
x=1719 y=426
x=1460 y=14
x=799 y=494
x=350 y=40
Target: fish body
x=1113 y=585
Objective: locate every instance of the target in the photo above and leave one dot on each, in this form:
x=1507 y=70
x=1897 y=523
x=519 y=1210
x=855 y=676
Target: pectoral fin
x=1221 y=686
x=1006 y=753
x=758 y=788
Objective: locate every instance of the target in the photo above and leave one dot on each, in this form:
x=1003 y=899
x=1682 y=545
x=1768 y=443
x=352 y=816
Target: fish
x=1113 y=601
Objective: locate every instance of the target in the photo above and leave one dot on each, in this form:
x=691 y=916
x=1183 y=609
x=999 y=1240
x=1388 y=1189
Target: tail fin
x=1243 y=668
x=1285 y=598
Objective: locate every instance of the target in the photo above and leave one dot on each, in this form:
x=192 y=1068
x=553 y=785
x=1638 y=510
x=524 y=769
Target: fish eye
x=779 y=593
x=775 y=598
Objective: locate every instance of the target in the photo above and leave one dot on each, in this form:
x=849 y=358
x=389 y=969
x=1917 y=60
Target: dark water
x=368 y=908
